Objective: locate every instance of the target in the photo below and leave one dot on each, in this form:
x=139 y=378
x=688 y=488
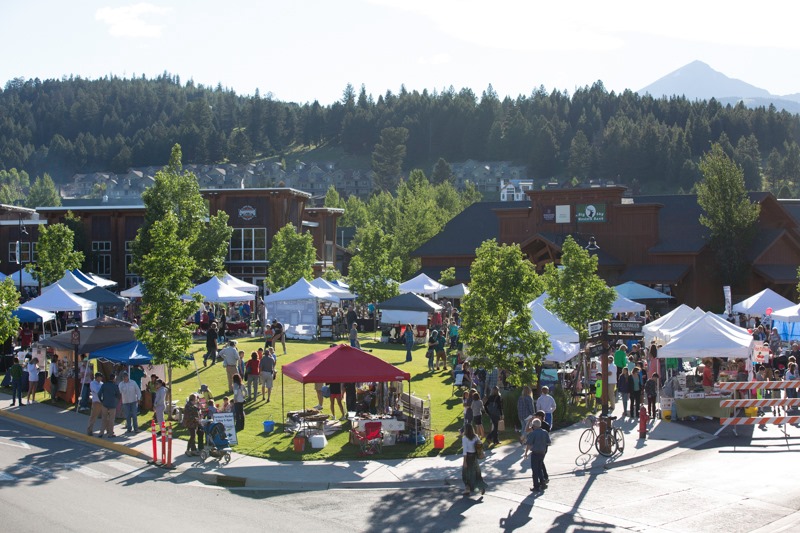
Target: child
x=226 y=406
x=212 y=409
x=598 y=389
x=651 y=389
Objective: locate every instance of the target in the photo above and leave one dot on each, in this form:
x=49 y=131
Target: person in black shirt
x=336 y=394
x=211 y=345
x=278 y=334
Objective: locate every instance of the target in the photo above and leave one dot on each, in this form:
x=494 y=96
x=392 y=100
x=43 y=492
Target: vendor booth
x=70 y=283
x=787 y=322
x=238 y=284
x=107 y=302
x=93 y=279
x=58 y=299
x=456 y=292
x=638 y=292
x=378 y=384
x=408 y=308
x=133 y=292
x=758 y=304
x=673 y=318
x=215 y=291
x=624 y=305
x=297 y=308
x=564 y=340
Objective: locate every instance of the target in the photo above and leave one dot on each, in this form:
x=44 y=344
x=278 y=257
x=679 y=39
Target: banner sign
x=590 y=213
x=562 y=214
x=548 y=213
x=626 y=326
x=726 y=290
x=761 y=354
x=226 y=419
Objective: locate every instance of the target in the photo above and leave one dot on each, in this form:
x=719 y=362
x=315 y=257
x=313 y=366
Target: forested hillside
x=76 y=125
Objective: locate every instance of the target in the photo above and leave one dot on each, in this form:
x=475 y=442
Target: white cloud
x=437 y=59
x=128 y=21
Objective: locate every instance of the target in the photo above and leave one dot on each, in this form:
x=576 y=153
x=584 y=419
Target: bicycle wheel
x=610 y=444
x=586 y=441
x=620 y=437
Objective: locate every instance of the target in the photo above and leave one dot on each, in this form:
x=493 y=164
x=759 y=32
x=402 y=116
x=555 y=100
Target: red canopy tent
x=341 y=364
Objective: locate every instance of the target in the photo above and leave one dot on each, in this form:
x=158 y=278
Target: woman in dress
x=470 y=469
x=238 y=402
x=477 y=414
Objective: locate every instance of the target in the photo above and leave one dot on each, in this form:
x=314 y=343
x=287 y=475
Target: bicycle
x=612 y=441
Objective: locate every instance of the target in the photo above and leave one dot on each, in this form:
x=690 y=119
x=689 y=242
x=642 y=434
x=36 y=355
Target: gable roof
x=342 y=364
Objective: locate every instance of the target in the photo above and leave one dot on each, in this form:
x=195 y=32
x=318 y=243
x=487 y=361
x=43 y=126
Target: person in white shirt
x=33 y=379
x=131 y=394
x=546 y=403
x=97 y=407
x=230 y=360
x=612 y=382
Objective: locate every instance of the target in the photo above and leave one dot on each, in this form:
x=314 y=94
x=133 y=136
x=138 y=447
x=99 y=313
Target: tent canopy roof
x=342 y=364
x=456 y=291
x=625 y=305
x=237 y=283
x=31 y=314
x=72 y=283
x=215 y=291
x=27 y=279
x=757 y=304
x=301 y=290
x=409 y=302
x=342 y=294
x=58 y=299
x=103 y=296
x=133 y=292
x=127 y=353
x=706 y=337
x=637 y=291
x=422 y=284
x=788 y=314
x=95 y=335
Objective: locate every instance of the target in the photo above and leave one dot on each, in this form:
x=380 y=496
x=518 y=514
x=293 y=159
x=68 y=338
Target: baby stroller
x=217 y=444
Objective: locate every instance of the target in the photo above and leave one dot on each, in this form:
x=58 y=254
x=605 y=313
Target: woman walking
x=624 y=389
x=635 y=389
x=470 y=469
x=477 y=414
x=238 y=402
x=525 y=407
x=191 y=421
x=494 y=406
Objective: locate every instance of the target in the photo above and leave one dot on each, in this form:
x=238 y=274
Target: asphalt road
x=732 y=484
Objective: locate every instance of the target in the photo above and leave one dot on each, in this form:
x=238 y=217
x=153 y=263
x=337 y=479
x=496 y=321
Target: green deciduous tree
x=9 y=301
x=56 y=254
x=373 y=272
x=388 y=157
x=333 y=199
x=176 y=191
x=355 y=213
x=43 y=193
x=728 y=213
x=331 y=274
x=291 y=257
x=447 y=276
x=495 y=316
x=575 y=292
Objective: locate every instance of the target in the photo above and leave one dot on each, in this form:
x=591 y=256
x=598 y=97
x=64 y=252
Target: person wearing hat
x=278 y=334
x=131 y=394
x=230 y=360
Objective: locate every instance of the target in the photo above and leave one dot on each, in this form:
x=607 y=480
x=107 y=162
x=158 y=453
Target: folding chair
x=371 y=439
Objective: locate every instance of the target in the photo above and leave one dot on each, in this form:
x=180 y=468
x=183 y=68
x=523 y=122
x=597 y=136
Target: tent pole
x=283 y=417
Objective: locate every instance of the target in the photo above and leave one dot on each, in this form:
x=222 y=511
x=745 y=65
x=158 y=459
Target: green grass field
x=446 y=407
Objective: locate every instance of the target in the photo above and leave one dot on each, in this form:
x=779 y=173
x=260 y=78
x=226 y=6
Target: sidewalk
x=502 y=463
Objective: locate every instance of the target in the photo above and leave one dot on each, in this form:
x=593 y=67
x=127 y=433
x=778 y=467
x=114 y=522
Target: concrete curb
x=102 y=443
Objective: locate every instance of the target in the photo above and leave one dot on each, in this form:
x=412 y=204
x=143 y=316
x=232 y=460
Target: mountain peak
x=698 y=81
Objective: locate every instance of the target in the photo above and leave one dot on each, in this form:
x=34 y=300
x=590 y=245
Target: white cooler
x=318 y=441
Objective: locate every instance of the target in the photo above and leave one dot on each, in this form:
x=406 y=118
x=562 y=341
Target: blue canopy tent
x=128 y=353
x=636 y=291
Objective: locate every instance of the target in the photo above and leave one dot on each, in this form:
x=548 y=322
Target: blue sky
x=306 y=50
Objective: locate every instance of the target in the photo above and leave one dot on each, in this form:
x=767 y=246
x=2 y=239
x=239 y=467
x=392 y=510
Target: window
x=248 y=244
x=102 y=257
x=24 y=252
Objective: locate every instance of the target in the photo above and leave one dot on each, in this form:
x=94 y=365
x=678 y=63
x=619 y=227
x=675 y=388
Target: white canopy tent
x=456 y=291
x=237 y=283
x=133 y=292
x=297 y=308
x=59 y=299
x=758 y=304
x=422 y=284
x=564 y=340
x=666 y=334
x=671 y=319
x=624 y=305
x=71 y=283
x=27 y=279
x=215 y=291
x=100 y=281
x=707 y=337
x=342 y=294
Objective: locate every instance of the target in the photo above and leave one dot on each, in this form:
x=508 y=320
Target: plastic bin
x=269 y=425
x=318 y=441
x=438 y=442
x=299 y=444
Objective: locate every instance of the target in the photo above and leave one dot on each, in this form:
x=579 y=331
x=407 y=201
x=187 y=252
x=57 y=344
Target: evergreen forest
x=76 y=125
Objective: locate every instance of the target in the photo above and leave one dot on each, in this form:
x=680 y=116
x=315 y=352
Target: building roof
x=667 y=274
x=467 y=230
x=778 y=274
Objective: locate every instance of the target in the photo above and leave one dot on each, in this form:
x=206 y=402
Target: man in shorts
x=278 y=334
x=267 y=373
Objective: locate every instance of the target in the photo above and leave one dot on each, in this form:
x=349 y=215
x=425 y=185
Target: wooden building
x=654 y=240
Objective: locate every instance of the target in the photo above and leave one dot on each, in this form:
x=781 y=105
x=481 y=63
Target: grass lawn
x=446 y=407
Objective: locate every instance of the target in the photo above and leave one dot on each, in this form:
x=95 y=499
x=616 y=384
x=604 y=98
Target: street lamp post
x=22 y=231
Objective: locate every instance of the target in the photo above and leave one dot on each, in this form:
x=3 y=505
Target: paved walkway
x=502 y=463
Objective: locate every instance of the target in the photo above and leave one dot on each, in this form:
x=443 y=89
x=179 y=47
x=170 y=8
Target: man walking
x=546 y=403
x=230 y=360
x=537 y=443
x=97 y=407
x=16 y=382
x=211 y=344
x=267 y=373
x=278 y=334
x=131 y=394
x=109 y=396
x=86 y=373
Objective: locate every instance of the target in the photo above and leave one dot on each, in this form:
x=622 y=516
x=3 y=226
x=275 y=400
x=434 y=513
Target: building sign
x=247 y=212
x=596 y=350
x=626 y=326
x=590 y=213
x=548 y=213
x=562 y=214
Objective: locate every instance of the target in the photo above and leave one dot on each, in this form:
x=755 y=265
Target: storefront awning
x=666 y=274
